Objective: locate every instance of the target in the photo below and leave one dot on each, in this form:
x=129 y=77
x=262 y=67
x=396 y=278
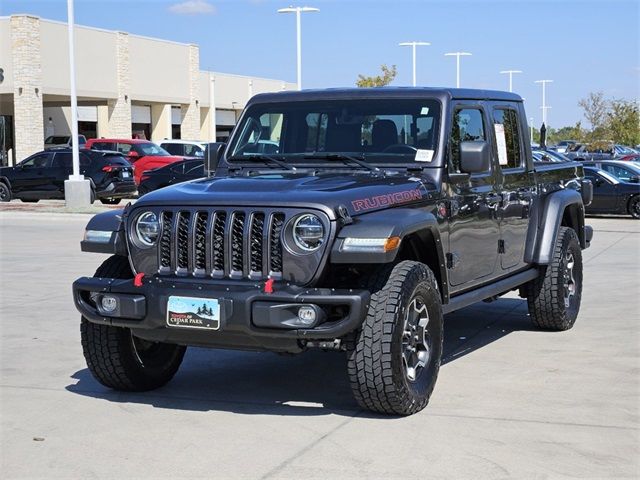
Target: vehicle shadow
x=314 y=383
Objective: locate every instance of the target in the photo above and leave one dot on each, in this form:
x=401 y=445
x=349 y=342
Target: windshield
x=152 y=149
x=385 y=131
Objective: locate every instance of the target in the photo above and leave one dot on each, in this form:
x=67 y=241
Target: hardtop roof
x=385 y=92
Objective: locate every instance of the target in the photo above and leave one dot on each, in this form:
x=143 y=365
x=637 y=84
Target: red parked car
x=143 y=154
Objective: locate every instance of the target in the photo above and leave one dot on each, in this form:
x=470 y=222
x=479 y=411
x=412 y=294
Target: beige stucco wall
x=95 y=67
x=5 y=55
x=233 y=91
x=159 y=70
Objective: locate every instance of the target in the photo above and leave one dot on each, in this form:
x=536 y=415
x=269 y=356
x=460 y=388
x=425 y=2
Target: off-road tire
x=5 y=192
x=115 y=357
x=110 y=201
x=634 y=207
x=546 y=294
x=376 y=368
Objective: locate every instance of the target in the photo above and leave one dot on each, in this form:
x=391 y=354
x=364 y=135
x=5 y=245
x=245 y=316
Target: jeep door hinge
x=452 y=260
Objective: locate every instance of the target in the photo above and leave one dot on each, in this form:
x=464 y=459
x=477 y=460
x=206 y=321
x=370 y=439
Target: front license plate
x=189 y=312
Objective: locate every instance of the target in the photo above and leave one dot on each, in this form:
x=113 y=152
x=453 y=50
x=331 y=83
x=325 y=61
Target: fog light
x=307 y=315
x=109 y=303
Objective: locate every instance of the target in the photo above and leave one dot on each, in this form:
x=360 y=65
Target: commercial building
x=127 y=85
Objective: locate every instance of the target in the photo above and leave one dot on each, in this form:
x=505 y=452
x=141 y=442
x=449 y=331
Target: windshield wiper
x=262 y=158
x=344 y=157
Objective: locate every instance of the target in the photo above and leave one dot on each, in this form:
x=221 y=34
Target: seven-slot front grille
x=233 y=244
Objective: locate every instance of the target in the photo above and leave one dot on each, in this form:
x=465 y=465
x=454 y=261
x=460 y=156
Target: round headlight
x=147 y=228
x=308 y=232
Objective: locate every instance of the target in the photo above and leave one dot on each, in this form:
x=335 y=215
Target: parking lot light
x=298 y=11
x=413 y=46
x=510 y=73
x=457 y=55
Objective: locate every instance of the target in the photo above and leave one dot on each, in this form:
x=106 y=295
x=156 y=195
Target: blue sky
x=583 y=46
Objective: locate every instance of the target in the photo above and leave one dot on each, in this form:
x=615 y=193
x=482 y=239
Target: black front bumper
x=144 y=310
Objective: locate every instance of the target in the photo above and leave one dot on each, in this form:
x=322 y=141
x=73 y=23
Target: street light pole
x=457 y=55
x=298 y=11
x=511 y=72
x=74 y=99
x=413 y=46
x=77 y=190
x=544 y=106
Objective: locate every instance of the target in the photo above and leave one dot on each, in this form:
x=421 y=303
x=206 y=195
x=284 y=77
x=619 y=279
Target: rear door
x=516 y=185
x=473 y=226
x=61 y=168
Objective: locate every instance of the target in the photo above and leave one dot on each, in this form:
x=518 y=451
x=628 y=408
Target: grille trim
x=221 y=243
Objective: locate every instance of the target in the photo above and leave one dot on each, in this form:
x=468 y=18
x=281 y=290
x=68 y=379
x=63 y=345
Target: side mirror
x=475 y=157
x=212 y=154
x=133 y=155
x=634 y=179
x=597 y=181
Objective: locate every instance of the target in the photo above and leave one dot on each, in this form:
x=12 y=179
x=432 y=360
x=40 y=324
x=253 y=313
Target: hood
x=359 y=193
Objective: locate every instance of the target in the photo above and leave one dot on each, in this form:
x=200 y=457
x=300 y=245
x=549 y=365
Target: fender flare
x=112 y=221
x=543 y=230
x=395 y=222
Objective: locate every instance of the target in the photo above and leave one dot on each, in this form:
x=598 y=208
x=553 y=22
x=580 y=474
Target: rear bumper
x=242 y=308
x=117 y=189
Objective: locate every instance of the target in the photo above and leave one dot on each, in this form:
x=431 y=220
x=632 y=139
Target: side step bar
x=496 y=288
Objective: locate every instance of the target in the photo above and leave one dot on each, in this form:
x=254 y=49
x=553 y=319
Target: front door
x=30 y=176
x=473 y=226
x=516 y=183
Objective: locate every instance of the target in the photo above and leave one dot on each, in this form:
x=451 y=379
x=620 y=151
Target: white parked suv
x=185 y=148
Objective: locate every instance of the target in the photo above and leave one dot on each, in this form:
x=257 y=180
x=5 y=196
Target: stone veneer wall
x=190 y=127
x=27 y=81
x=119 y=110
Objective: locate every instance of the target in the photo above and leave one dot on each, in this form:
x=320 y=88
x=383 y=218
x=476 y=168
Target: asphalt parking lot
x=510 y=402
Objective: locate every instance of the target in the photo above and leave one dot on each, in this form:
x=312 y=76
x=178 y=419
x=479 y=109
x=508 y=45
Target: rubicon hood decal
x=389 y=199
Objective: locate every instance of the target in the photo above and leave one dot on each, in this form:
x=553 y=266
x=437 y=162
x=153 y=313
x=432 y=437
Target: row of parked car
x=116 y=168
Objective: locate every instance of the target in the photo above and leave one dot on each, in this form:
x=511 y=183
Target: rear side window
x=173 y=148
x=116 y=160
x=468 y=126
x=507 y=130
x=62 y=160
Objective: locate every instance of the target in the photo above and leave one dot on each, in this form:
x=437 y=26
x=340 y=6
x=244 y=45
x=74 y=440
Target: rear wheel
x=110 y=201
x=554 y=297
x=634 y=207
x=120 y=360
x=395 y=362
x=5 y=192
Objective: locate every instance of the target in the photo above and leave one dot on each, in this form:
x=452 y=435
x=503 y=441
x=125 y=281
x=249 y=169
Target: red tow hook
x=137 y=280
x=268 y=286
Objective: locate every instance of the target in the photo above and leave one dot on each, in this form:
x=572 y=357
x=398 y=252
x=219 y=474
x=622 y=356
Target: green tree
x=623 y=122
x=388 y=75
x=595 y=108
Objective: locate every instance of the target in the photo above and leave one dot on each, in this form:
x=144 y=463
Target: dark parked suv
x=42 y=176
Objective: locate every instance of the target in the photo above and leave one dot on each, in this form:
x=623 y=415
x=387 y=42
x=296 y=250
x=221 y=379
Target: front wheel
x=634 y=207
x=5 y=192
x=554 y=297
x=120 y=360
x=394 y=365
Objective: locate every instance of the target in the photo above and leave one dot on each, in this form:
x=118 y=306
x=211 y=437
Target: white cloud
x=192 y=7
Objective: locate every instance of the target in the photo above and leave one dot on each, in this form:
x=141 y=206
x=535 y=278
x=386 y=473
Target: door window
x=468 y=126
x=507 y=130
x=62 y=160
x=103 y=146
x=124 y=148
x=37 y=161
x=619 y=172
x=173 y=148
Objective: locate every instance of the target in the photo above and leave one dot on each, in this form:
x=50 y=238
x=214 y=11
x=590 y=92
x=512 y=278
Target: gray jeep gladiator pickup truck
x=376 y=212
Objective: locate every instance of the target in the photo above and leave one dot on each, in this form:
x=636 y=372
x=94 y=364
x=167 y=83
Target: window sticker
x=501 y=143
x=424 y=155
x=424 y=111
